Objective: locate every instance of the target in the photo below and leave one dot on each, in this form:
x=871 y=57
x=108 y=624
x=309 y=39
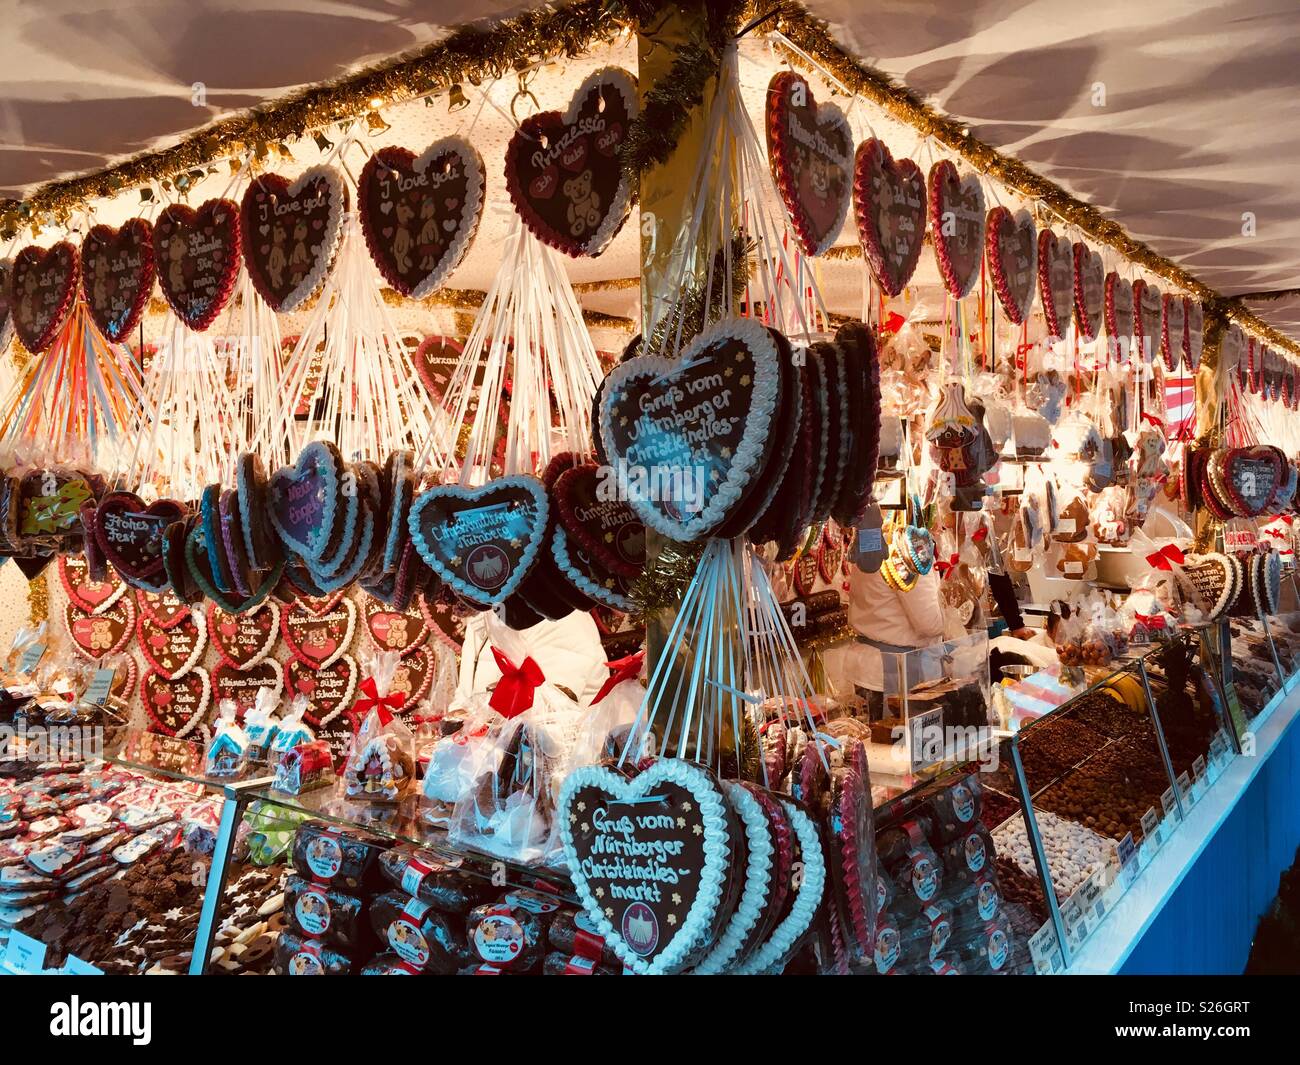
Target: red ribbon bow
x=894 y=322
x=628 y=668
x=1152 y=621
x=946 y=568
x=373 y=701
x=514 y=691
x=980 y=534
x=1166 y=558
x=1153 y=420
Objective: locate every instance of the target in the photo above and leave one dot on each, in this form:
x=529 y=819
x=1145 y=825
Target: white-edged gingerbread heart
x=1055 y=281
x=244 y=640
x=176 y=706
x=88 y=594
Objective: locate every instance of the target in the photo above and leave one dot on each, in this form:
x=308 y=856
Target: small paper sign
x=870 y=540
x=925 y=733
x=1045 y=950
x=23 y=954
x=77 y=967
x=1184 y=783
x=1169 y=803
x=31 y=658
x=100 y=685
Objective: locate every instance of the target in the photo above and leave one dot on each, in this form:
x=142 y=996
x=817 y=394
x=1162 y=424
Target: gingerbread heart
x=419 y=213
x=1251 y=477
x=690 y=436
x=889 y=206
x=1055 y=281
x=319 y=639
x=599 y=521
x=328 y=688
x=243 y=640
x=444 y=623
x=241 y=686
x=810 y=152
x=306 y=501
x=90 y=595
x=175 y=651
x=1120 y=321
x=402 y=631
x=176 y=706
x=117 y=274
x=130 y=534
x=6 y=307
x=1012 y=249
x=165 y=609
x=1194 y=337
x=1089 y=290
x=481 y=541
x=1148 y=318
x=956 y=226
x=435 y=361
x=98 y=635
x=290 y=233
x=1209 y=581
x=413 y=676
x=198 y=258
x=675 y=809
x=587 y=575
x=1173 y=330
x=563 y=169
x=42 y=289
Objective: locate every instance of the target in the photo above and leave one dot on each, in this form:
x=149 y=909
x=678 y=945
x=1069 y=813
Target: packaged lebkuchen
x=419 y=934
x=321 y=912
x=346 y=858
x=381 y=763
x=440 y=882
x=510 y=810
x=457 y=760
x=261 y=725
x=296 y=955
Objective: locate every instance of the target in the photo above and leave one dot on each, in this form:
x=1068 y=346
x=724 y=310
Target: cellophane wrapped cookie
x=381 y=763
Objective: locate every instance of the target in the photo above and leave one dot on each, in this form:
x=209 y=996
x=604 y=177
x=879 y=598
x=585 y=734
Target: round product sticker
x=324 y=857
x=963 y=803
x=499 y=938
x=925 y=879
x=975 y=854
x=313 y=912
x=304 y=964
x=986 y=900
x=408 y=943
x=887 y=949
x=998 y=950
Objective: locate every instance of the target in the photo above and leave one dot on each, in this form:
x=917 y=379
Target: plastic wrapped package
x=296 y=955
x=433 y=879
x=557 y=963
x=380 y=765
x=261 y=725
x=418 y=934
x=572 y=933
x=925 y=936
x=915 y=870
x=346 y=858
x=507 y=935
x=967 y=858
x=987 y=950
x=320 y=912
x=458 y=760
x=227 y=752
x=955 y=810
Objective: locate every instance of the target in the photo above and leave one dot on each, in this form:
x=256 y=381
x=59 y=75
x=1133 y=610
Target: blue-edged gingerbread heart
x=304 y=500
x=688 y=437
x=481 y=541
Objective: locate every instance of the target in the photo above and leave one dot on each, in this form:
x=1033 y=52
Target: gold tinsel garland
x=473 y=54
x=38 y=598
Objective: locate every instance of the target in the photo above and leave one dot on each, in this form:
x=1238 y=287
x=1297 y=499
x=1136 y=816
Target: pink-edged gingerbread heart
x=92 y=596
x=419 y=213
x=117 y=274
x=176 y=706
x=1148 y=318
x=173 y=652
x=810 y=153
x=319 y=639
x=889 y=207
x=241 y=686
x=198 y=258
x=290 y=232
x=42 y=290
x=1089 y=290
x=98 y=635
x=328 y=689
x=1012 y=249
x=165 y=609
x=563 y=169
x=1055 y=281
x=413 y=676
x=445 y=623
x=402 y=631
x=956 y=205
x=244 y=640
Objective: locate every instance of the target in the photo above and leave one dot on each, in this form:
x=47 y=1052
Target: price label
x=1151 y=829
x=1168 y=803
x=1127 y=850
x=1184 y=783
x=100 y=686
x=1045 y=950
x=31 y=658
x=77 y=967
x=926 y=734
x=870 y=540
x=1219 y=748
x=23 y=954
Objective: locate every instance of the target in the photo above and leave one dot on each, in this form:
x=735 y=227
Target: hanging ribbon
x=514 y=691
x=628 y=668
x=381 y=705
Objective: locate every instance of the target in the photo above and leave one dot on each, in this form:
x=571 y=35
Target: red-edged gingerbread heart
x=889 y=206
x=956 y=226
x=176 y=705
x=419 y=213
x=1089 y=290
x=175 y=651
x=290 y=233
x=1194 y=336
x=1012 y=248
x=42 y=289
x=6 y=308
x=243 y=640
x=1251 y=476
x=88 y=594
x=198 y=258
x=1055 y=281
x=395 y=630
x=810 y=152
x=102 y=634
x=117 y=273
x=319 y=639
x=601 y=522
x=563 y=169
x=1119 y=315
x=1173 y=330
x=1148 y=318
x=165 y=609
x=328 y=689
